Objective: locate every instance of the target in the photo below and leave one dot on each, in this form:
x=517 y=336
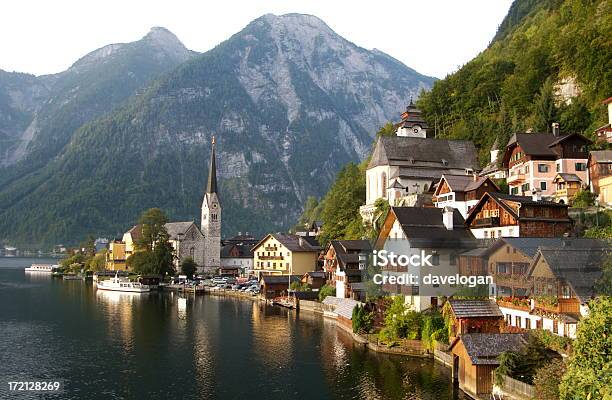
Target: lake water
x=104 y=345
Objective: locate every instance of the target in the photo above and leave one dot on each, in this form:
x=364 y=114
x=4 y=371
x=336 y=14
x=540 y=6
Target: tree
x=97 y=262
x=548 y=378
x=583 y=199
x=387 y=129
x=603 y=285
x=164 y=257
x=326 y=290
x=188 y=267
x=362 y=319
x=589 y=372
x=400 y=322
x=142 y=262
x=544 y=107
x=153 y=223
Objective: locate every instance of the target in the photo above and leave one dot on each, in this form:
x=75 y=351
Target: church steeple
x=212 y=171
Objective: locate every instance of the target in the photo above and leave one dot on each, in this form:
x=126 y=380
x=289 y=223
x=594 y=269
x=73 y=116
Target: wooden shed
x=475 y=358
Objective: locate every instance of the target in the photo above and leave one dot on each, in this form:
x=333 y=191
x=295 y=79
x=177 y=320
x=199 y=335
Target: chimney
x=555 y=129
x=447 y=217
x=536 y=194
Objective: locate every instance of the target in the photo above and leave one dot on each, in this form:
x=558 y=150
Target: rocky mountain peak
x=167 y=41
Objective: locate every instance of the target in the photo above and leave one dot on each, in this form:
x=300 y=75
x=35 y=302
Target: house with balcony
x=534 y=159
x=501 y=215
x=462 y=192
x=566 y=187
x=285 y=254
x=345 y=262
x=474 y=316
x=413 y=231
x=599 y=167
x=409 y=163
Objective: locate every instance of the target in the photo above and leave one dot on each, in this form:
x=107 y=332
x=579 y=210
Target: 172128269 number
x=34 y=386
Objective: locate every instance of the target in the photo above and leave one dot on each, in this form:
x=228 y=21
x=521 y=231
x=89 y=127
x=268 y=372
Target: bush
x=401 y=323
x=432 y=322
x=583 y=199
x=362 y=320
x=548 y=378
x=326 y=290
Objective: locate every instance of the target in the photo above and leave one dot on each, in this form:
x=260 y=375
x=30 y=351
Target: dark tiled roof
x=526 y=200
x=294 y=242
x=569 y=177
x=316 y=274
x=241 y=250
x=529 y=245
x=602 y=156
x=426 y=223
x=136 y=232
x=396 y=150
x=534 y=144
x=475 y=308
x=579 y=268
x=279 y=279
x=176 y=228
x=465 y=183
x=484 y=348
x=343 y=247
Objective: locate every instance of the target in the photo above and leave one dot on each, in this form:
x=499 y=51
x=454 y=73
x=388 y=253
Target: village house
x=473 y=262
x=494 y=168
x=314 y=279
x=412 y=231
x=272 y=286
x=502 y=215
x=130 y=238
x=285 y=254
x=115 y=256
x=534 y=159
x=474 y=316
x=600 y=167
x=605 y=191
x=604 y=133
x=409 y=163
x=462 y=192
x=510 y=262
x=566 y=187
x=475 y=357
x=237 y=255
x=344 y=264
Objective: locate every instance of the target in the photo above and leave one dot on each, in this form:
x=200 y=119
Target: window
x=526 y=169
x=542 y=168
x=558 y=167
x=518 y=321
x=579 y=166
x=525 y=187
x=453 y=259
x=514 y=190
x=543 y=185
x=435 y=259
x=384 y=184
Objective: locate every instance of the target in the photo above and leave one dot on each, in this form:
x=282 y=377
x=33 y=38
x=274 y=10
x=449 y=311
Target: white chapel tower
x=211 y=218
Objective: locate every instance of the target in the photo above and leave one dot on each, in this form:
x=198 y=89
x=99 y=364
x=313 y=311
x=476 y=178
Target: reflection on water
x=106 y=344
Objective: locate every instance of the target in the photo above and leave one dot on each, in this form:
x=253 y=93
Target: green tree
x=142 y=262
x=589 y=372
x=362 y=319
x=153 y=223
x=544 y=109
x=387 y=129
x=548 y=378
x=326 y=290
x=164 y=257
x=401 y=323
x=97 y=262
x=583 y=198
x=188 y=267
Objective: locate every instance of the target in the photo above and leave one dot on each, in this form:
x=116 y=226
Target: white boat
x=122 y=285
x=44 y=268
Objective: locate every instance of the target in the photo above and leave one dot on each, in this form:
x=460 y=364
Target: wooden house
x=272 y=286
x=473 y=262
x=462 y=192
x=344 y=267
x=599 y=166
x=474 y=316
x=502 y=215
x=314 y=279
x=475 y=358
x=566 y=187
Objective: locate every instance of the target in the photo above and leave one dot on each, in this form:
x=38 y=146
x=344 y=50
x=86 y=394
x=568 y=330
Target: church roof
x=176 y=228
x=211 y=187
x=424 y=152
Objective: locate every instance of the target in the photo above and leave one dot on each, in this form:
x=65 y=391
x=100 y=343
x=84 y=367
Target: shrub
x=362 y=320
x=326 y=290
x=548 y=378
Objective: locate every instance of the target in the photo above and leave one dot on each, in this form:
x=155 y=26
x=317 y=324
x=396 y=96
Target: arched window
x=191 y=252
x=384 y=185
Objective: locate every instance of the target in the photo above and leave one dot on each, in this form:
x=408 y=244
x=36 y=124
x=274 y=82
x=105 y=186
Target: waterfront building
x=566 y=187
x=501 y=215
x=474 y=316
x=534 y=159
x=116 y=256
x=272 y=286
x=413 y=231
x=236 y=259
x=285 y=254
x=130 y=238
x=599 y=167
x=344 y=264
x=314 y=279
x=475 y=356
x=462 y=192
x=409 y=163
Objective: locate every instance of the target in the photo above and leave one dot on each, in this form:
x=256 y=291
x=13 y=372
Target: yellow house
x=130 y=238
x=605 y=190
x=116 y=256
x=284 y=254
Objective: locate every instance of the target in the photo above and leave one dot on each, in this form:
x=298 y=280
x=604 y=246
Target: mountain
x=289 y=102
x=548 y=62
x=39 y=115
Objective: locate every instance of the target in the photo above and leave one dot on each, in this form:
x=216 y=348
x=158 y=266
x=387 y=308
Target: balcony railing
x=486 y=222
x=515 y=178
x=271 y=258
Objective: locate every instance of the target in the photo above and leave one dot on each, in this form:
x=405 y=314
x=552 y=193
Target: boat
x=43 y=268
x=73 y=277
x=122 y=285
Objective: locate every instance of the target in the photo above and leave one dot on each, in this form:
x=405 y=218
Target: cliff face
x=289 y=102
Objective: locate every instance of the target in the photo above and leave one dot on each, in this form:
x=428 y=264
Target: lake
x=105 y=345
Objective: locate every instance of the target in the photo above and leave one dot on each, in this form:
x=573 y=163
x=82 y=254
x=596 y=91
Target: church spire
x=212 y=171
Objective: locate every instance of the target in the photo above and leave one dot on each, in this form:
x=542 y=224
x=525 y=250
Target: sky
x=435 y=37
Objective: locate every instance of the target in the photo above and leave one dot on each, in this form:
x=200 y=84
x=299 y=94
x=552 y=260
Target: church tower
x=211 y=218
x=412 y=123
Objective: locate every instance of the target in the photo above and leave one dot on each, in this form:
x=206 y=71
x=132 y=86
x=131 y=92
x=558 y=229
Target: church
x=407 y=164
x=203 y=244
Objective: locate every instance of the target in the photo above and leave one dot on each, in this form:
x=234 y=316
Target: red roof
x=607 y=101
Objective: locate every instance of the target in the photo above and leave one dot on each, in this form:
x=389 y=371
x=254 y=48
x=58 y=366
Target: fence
x=518 y=389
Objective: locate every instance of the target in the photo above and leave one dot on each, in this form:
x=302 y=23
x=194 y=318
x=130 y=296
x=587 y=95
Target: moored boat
x=122 y=285
x=43 y=268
